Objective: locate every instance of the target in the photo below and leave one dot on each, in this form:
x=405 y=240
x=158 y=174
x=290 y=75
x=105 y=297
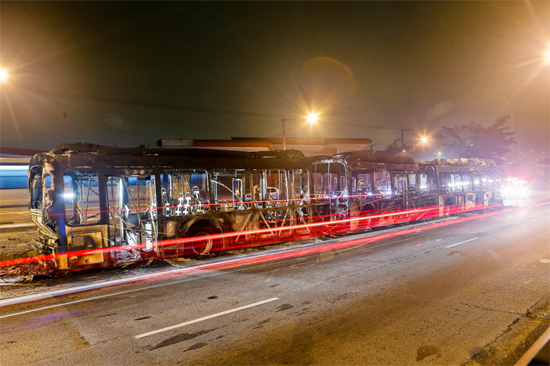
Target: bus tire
x=206 y=246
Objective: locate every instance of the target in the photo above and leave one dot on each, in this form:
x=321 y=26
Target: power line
x=93 y=98
x=345 y=124
x=76 y=96
x=157 y=122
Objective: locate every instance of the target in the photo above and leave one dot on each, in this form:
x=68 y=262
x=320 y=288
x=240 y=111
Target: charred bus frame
x=462 y=184
x=365 y=189
x=103 y=205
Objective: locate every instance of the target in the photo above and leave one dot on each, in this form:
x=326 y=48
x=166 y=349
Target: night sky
x=130 y=73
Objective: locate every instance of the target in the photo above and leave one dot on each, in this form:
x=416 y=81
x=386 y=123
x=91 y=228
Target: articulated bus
x=96 y=205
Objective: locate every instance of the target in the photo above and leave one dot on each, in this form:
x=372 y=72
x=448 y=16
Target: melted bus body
x=102 y=205
x=369 y=190
x=97 y=205
x=464 y=184
x=361 y=190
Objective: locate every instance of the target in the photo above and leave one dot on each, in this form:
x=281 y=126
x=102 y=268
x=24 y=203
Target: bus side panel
x=83 y=239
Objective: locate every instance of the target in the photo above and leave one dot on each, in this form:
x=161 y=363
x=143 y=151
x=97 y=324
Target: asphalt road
x=470 y=292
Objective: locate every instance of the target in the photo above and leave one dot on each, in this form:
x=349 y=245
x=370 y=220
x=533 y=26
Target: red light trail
x=340 y=225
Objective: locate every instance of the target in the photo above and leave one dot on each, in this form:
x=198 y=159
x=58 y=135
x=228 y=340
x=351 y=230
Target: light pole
x=283 y=120
x=402 y=139
x=310 y=118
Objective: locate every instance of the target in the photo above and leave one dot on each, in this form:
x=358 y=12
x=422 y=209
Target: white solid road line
x=62 y=304
x=67 y=291
x=206 y=317
x=139 y=278
x=462 y=242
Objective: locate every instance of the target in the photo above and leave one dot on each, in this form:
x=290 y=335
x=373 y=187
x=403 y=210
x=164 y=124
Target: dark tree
x=474 y=141
x=498 y=139
x=531 y=164
x=394 y=149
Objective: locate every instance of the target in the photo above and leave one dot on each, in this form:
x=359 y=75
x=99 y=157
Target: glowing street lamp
x=424 y=139
x=312 y=117
x=547 y=55
x=4 y=75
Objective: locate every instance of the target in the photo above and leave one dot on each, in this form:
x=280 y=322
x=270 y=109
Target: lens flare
x=4 y=75
x=546 y=55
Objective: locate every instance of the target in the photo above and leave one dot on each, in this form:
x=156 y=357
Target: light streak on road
x=405 y=215
x=180 y=241
x=240 y=262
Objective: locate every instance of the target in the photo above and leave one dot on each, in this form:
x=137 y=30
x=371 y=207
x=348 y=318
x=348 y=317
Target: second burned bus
x=364 y=190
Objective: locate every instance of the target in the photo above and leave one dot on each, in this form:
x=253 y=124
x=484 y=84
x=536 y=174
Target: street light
x=547 y=55
x=424 y=139
x=4 y=75
x=402 y=139
x=311 y=118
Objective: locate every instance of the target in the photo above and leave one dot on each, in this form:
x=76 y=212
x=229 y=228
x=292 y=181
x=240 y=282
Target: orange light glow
x=547 y=55
x=312 y=117
x=4 y=75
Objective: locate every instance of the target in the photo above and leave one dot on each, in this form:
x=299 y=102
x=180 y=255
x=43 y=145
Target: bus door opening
x=401 y=191
x=132 y=209
x=331 y=190
x=41 y=192
x=83 y=221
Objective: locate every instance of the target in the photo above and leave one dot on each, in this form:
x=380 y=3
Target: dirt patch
x=17 y=244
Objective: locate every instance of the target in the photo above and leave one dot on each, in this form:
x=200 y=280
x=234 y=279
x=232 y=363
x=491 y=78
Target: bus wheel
x=204 y=246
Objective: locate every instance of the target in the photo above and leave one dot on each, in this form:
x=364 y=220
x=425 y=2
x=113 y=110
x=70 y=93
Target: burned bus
x=359 y=190
x=365 y=190
x=97 y=205
x=462 y=184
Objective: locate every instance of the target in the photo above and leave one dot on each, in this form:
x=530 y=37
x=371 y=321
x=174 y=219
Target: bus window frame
x=70 y=220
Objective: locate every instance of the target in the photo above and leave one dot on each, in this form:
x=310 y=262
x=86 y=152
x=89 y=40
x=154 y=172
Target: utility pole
x=402 y=139
x=284 y=135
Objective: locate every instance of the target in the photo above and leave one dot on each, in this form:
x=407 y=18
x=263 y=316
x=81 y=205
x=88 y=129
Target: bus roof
x=375 y=158
x=85 y=148
x=479 y=162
